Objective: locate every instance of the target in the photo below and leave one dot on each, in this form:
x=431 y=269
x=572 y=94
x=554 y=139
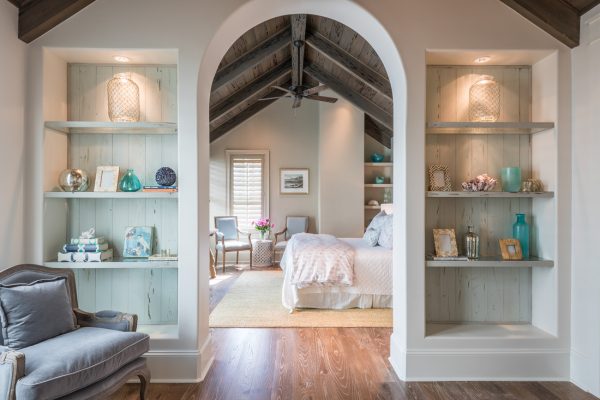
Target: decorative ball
x=73 y=180
x=373 y=203
x=376 y=157
x=165 y=176
x=379 y=180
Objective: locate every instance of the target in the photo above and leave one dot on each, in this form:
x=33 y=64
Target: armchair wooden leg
x=144 y=381
x=237 y=257
x=250 y=259
x=216 y=259
x=224 y=257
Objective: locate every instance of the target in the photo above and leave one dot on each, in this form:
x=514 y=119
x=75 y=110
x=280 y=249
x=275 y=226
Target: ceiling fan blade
x=273 y=98
x=285 y=90
x=314 y=90
x=322 y=98
x=297 y=102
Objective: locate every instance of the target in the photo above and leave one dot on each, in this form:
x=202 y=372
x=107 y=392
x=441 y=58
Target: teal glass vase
x=511 y=179
x=130 y=182
x=521 y=233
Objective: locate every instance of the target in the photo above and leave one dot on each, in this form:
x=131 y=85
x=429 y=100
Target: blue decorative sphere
x=376 y=157
x=165 y=176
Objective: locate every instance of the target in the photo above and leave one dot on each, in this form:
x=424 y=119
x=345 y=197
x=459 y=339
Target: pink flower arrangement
x=263 y=225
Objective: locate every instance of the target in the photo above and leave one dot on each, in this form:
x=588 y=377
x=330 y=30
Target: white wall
x=585 y=280
x=12 y=137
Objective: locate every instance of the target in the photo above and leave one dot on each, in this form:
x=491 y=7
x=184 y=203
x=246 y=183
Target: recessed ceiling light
x=483 y=59
x=121 y=59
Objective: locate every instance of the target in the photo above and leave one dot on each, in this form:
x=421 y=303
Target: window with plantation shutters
x=248 y=186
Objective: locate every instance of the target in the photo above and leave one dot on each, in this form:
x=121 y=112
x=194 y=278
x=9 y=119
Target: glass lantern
x=123 y=99
x=484 y=100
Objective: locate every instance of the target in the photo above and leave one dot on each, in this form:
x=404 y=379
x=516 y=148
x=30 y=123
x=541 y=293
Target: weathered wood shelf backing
x=113 y=128
x=378 y=185
x=141 y=264
x=110 y=195
x=535 y=195
x=491 y=262
x=487 y=128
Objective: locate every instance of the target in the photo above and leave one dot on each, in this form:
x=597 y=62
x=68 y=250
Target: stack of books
x=159 y=188
x=86 y=250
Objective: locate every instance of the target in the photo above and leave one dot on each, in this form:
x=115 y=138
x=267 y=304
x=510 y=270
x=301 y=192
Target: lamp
x=484 y=100
x=123 y=99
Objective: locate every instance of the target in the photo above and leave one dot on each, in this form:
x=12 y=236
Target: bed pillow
x=377 y=221
x=371 y=236
x=31 y=313
x=387 y=232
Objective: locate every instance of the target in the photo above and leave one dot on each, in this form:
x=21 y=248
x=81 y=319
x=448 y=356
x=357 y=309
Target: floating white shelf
x=116 y=264
x=372 y=207
x=114 y=128
x=379 y=164
x=160 y=332
x=490 y=262
x=484 y=331
x=378 y=185
x=535 y=195
x=110 y=195
x=487 y=128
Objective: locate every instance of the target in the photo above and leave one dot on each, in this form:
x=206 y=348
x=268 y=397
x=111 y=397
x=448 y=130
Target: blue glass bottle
x=521 y=232
x=130 y=182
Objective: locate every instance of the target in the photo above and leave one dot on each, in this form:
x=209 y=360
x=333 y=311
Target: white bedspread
x=319 y=260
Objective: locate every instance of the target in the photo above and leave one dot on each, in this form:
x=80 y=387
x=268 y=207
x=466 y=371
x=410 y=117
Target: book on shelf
x=97 y=240
x=449 y=258
x=84 y=248
x=159 y=188
x=99 y=256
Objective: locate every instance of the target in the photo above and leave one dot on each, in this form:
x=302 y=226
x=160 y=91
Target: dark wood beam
x=16 y=3
x=556 y=17
x=588 y=7
x=348 y=63
x=250 y=90
x=244 y=115
x=38 y=17
x=298 y=24
x=352 y=96
x=378 y=132
x=251 y=59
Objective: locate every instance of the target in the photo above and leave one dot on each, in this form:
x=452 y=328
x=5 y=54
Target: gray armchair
x=91 y=361
x=293 y=225
x=227 y=239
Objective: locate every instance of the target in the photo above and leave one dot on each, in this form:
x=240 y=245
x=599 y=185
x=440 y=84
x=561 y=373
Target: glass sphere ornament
x=123 y=99
x=484 y=100
x=130 y=182
x=73 y=180
x=165 y=176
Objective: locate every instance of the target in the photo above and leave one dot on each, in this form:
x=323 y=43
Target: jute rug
x=254 y=301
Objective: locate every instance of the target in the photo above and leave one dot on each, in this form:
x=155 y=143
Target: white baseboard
x=585 y=373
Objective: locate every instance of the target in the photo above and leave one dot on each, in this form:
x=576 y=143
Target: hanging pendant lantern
x=123 y=99
x=484 y=100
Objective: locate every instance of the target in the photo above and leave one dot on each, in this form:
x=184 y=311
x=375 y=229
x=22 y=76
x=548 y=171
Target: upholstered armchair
x=50 y=349
x=227 y=239
x=293 y=225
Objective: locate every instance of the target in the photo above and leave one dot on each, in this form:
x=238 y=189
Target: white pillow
x=371 y=235
x=386 y=233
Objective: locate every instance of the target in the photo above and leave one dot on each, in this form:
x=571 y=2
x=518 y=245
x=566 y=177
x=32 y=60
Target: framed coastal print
x=445 y=243
x=293 y=181
x=439 y=180
x=511 y=249
x=107 y=178
x=138 y=242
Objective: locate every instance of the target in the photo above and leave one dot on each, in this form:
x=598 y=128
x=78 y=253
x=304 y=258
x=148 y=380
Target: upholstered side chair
x=293 y=225
x=91 y=360
x=227 y=239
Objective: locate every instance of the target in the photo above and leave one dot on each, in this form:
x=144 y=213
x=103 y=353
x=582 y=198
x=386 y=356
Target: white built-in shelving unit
x=374 y=191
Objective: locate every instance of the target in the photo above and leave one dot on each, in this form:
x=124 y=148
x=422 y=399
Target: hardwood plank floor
x=325 y=363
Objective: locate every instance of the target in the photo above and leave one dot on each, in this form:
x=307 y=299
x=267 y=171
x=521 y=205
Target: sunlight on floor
x=219 y=279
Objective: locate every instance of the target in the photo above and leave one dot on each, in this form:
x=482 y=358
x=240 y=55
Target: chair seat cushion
x=280 y=245
x=75 y=360
x=233 y=245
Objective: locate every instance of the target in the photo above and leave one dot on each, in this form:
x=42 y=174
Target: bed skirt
x=339 y=301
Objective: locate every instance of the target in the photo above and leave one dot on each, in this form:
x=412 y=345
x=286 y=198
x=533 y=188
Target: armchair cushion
x=296 y=225
x=234 y=245
x=31 y=313
x=75 y=360
x=227 y=226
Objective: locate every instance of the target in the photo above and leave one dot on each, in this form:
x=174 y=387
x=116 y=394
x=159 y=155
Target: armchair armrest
x=279 y=234
x=12 y=368
x=248 y=234
x=114 y=320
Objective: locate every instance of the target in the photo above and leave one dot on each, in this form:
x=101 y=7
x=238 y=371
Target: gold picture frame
x=511 y=249
x=107 y=179
x=445 y=243
x=294 y=180
x=439 y=180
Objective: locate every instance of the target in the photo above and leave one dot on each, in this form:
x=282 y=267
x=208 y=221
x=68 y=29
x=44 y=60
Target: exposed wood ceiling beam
x=17 y=3
x=556 y=17
x=378 y=132
x=38 y=17
x=251 y=59
x=350 y=64
x=298 y=24
x=238 y=97
x=352 y=96
x=589 y=7
x=244 y=115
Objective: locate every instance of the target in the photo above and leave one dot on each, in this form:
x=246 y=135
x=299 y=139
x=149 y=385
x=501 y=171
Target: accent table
x=262 y=252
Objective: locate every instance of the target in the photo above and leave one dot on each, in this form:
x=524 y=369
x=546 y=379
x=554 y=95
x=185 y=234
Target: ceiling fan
x=300 y=92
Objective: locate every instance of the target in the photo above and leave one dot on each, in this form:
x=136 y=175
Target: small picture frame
x=439 y=179
x=511 y=249
x=293 y=181
x=138 y=242
x=445 y=243
x=107 y=179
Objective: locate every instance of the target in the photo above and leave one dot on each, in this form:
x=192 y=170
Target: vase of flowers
x=263 y=226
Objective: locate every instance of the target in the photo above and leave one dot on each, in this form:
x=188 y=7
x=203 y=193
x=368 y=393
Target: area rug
x=254 y=301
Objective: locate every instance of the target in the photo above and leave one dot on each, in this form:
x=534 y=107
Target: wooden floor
x=325 y=363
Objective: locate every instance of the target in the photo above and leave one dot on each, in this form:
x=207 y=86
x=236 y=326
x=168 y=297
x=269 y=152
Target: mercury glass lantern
x=123 y=99
x=484 y=100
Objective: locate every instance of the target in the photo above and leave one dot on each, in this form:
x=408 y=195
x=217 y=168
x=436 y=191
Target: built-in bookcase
x=376 y=191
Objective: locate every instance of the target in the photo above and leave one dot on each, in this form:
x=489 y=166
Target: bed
x=371 y=288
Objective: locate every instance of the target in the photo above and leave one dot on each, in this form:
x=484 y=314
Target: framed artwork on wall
x=107 y=179
x=293 y=181
x=445 y=243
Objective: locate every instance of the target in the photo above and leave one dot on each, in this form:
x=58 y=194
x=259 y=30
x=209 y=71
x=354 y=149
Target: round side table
x=262 y=252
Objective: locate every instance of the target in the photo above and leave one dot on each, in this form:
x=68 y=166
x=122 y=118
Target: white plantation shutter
x=247 y=189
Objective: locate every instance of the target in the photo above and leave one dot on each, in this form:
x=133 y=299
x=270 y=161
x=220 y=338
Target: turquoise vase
x=521 y=232
x=511 y=179
x=130 y=182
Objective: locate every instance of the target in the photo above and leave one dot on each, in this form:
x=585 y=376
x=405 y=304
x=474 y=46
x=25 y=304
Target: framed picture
x=445 y=243
x=293 y=181
x=439 y=180
x=107 y=179
x=138 y=242
x=511 y=249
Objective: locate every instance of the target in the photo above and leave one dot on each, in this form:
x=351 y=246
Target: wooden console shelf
x=490 y=262
x=113 y=128
x=487 y=128
x=534 y=195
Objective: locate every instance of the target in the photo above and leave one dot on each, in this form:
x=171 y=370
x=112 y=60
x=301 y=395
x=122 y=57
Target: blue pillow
x=31 y=313
x=386 y=232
